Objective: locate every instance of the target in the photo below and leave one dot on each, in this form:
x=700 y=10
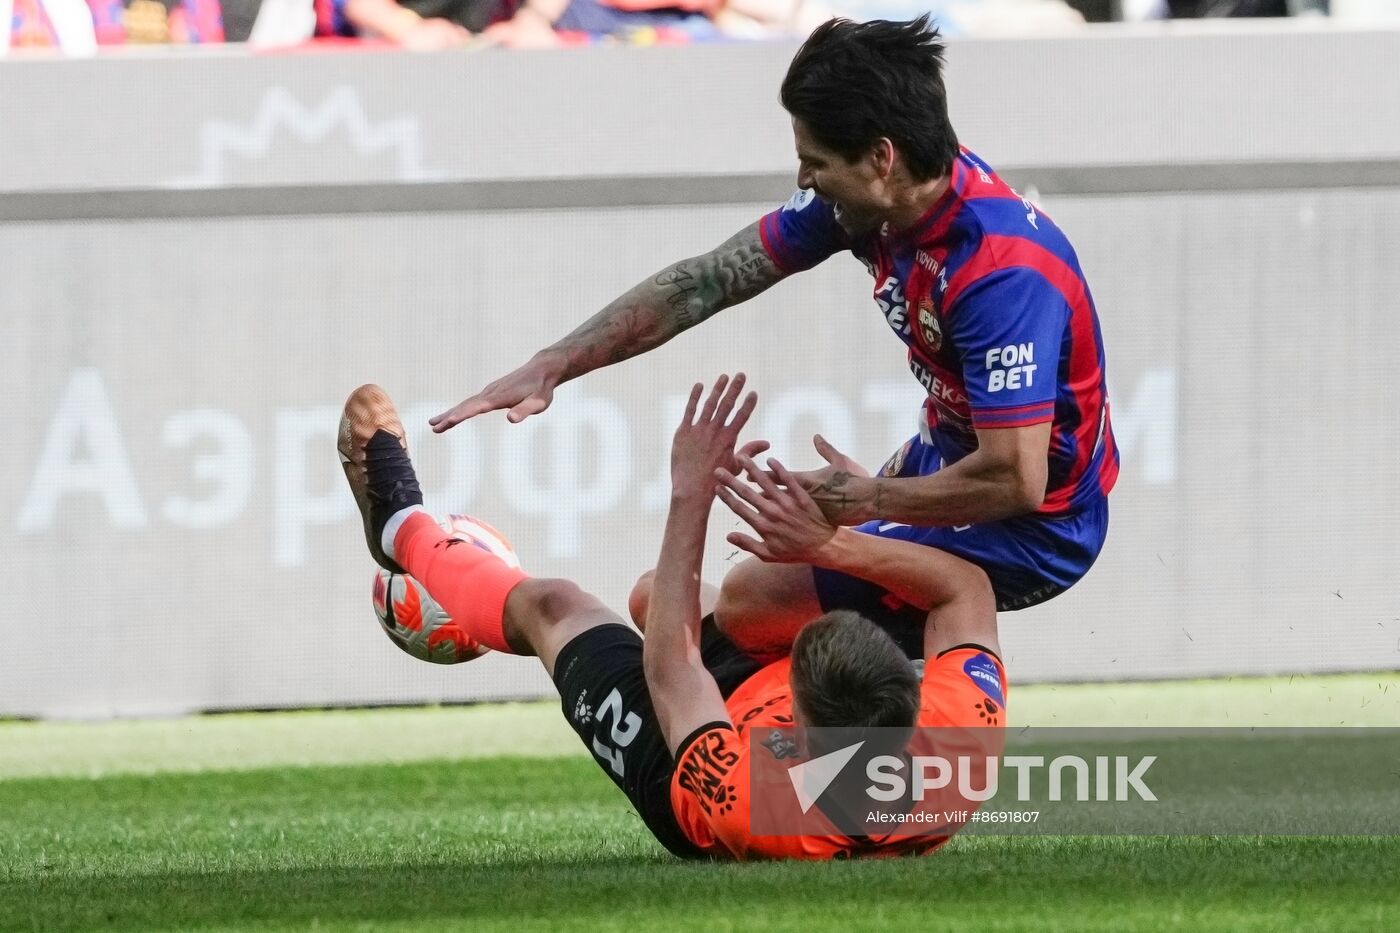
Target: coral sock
x=470 y=583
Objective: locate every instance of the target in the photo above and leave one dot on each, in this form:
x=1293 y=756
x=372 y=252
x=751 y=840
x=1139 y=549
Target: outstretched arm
x=646 y=316
x=1004 y=477
x=683 y=693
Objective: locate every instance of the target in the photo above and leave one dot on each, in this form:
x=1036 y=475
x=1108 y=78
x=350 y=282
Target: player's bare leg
x=542 y=616
x=762 y=606
x=639 y=600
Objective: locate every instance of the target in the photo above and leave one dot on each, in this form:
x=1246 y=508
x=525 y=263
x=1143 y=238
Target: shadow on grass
x=298 y=899
x=358 y=847
x=1092 y=879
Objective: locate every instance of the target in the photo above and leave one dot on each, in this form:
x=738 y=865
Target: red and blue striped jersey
x=1002 y=332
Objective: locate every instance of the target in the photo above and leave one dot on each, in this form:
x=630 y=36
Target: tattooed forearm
x=847 y=498
x=675 y=299
x=834 y=496
x=680 y=288
x=736 y=271
x=620 y=331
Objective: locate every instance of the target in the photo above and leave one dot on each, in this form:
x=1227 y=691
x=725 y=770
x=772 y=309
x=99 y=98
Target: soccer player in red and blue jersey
x=1008 y=478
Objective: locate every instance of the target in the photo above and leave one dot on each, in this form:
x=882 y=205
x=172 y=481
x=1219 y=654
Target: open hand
x=526 y=391
x=704 y=444
x=790 y=525
x=830 y=487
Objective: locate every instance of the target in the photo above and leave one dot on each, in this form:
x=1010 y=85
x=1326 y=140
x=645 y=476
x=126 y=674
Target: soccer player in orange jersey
x=676 y=722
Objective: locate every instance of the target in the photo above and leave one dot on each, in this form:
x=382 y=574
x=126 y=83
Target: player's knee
x=733 y=605
x=548 y=601
x=753 y=584
x=640 y=598
x=971 y=590
x=743 y=603
x=761 y=607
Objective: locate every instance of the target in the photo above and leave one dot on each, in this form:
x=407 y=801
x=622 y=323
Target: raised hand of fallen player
x=704 y=444
x=790 y=525
x=526 y=391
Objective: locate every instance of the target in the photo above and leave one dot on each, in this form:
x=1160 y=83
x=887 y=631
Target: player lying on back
x=675 y=722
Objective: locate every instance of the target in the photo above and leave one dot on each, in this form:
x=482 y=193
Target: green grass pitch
x=261 y=823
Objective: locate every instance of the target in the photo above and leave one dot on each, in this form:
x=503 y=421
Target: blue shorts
x=1029 y=559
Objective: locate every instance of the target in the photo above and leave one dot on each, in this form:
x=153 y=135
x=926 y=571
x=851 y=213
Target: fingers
x=707 y=413
x=741 y=417
x=693 y=401
x=447 y=419
x=495 y=396
x=531 y=406
x=793 y=487
x=744 y=543
x=720 y=403
x=761 y=477
x=740 y=490
x=784 y=477
x=753 y=449
x=470 y=408
x=738 y=506
x=726 y=404
x=836 y=458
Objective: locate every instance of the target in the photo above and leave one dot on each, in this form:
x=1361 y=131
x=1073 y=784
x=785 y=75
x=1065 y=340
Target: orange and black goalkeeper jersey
x=710 y=789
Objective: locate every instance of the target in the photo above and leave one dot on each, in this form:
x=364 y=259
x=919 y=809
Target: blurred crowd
x=82 y=27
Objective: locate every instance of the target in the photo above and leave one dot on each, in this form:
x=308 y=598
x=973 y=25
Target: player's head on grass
x=855 y=90
x=848 y=673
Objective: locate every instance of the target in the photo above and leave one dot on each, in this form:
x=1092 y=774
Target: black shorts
x=603 y=692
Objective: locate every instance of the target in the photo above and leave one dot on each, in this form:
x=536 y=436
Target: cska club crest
x=929 y=330
x=895 y=464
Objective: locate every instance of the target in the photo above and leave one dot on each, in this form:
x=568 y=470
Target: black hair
x=853 y=83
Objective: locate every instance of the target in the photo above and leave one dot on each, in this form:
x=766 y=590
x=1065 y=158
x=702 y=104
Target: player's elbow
x=1015 y=464
x=1024 y=485
x=666 y=662
x=639 y=600
x=1028 y=490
